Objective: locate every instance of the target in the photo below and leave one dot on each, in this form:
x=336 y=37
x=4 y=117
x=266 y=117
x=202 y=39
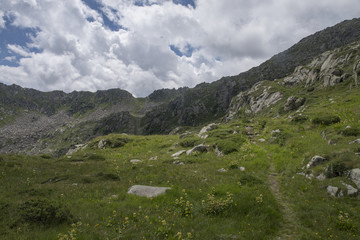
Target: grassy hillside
x=84 y=196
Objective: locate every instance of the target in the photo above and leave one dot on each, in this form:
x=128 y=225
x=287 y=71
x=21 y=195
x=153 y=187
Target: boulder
x=316 y=160
x=321 y=177
x=355 y=176
x=199 y=148
x=222 y=170
x=332 y=190
x=179 y=153
x=355 y=141
x=147 y=191
x=293 y=103
x=351 y=191
x=242 y=169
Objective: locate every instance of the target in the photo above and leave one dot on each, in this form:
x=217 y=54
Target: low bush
x=227 y=146
x=189 y=141
x=350 y=132
x=45 y=212
x=299 y=119
x=326 y=120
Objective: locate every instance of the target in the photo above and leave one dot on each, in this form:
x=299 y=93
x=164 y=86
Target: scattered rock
x=262 y=140
x=135 y=161
x=316 y=160
x=332 y=190
x=114 y=196
x=347 y=127
x=199 y=148
x=74 y=184
x=308 y=176
x=351 y=191
x=153 y=158
x=179 y=153
x=147 y=191
x=275 y=131
x=222 y=170
x=321 y=177
x=242 y=169
x=102 y=144
x=178 y=163
x=355 y=176
x=355 y=141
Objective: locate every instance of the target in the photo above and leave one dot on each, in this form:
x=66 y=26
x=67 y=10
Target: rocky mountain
x=52 y=122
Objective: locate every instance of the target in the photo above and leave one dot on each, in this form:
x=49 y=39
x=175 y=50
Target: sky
x=144 y=45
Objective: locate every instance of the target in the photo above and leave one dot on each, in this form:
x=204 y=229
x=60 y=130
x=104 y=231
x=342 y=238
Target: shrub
x=189 y=141
x=214 y=206
x=326 y=120
x=227 y=146
x=299 y=119
x=354 y=132
x=96 y=157
x=335 y=169
x=45 y=212
x=117 y=142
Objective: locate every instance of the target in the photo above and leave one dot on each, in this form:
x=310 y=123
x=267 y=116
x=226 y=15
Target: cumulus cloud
x=157 y=43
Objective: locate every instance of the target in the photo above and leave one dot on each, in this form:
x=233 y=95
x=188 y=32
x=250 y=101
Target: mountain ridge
x=72 y=118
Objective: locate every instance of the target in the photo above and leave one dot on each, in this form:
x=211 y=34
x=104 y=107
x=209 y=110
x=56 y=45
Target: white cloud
x=227 y=37
x=19 y=50
x=2 y=21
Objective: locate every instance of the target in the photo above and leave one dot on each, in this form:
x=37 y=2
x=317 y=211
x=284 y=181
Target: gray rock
x=199 y=148
x=355 y=141
x=222 y=170
x=321 y=177
x=332 y=190
x=242 y=169
x=135 y=161
x=147 y=191
x=102 y=144
x=178 y=163
x=355 y=176
x=262 y=140
x=316 y=160
x=179 y=153
x=351 y=191
x=153 y=158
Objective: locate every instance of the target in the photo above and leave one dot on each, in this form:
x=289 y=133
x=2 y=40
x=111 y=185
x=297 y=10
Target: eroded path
x=289 y=229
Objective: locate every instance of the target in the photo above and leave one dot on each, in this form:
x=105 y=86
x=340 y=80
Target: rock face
x=147 y=191
x=316 y=160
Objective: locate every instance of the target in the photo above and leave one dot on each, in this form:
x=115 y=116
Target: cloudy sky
x=143 y=45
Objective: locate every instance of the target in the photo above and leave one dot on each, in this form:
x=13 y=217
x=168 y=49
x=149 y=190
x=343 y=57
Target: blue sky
x=144 y=45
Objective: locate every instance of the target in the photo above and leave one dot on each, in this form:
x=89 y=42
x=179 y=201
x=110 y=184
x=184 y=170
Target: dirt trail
x=289 y=228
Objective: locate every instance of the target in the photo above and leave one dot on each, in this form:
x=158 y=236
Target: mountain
x=52 y=122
